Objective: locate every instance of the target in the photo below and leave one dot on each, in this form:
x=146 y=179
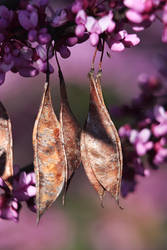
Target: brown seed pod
x=6 y=147
x=48 y=155
x=70 y=133
x=101 y=142
x=86 y=161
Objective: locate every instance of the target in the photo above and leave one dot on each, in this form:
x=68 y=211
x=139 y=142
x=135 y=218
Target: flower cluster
x=30 y=34
x=143 y=13
x=144 y=139
x=26 y=31
x=23 y=190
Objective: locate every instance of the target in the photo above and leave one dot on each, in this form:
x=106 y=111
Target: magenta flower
x=149 y=83
x=9 y=205
x=9 y=208
x=122 y=40
x=24 y=186
x=138 y=5
x=137 y=8
x=161 y=151
x=80 y=20
x=41 y=51
x=71 y=41
x=42 y=66
x=141 y=141
x=6 y=17
x=58 y=18
x=141 y=13
x=77 y=6
x=64 y=51
x=164 y=19
x=125 y=130
x=160 y=114
x=23 y=190
x=93 y=26
x=97 y=27
x=28 y=19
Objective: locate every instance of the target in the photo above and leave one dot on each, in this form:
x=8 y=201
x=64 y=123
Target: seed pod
x=87 y=166
x=101 y=142
x=48 y=155
x=70 y=133
x=6 y=147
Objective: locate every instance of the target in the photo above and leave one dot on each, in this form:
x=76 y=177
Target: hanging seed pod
x=6 y=147
x=87 y=166
x=102 y=147
x=70 y=133
x=48 y=155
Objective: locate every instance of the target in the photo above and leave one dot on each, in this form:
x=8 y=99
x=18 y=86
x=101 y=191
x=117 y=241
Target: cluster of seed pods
x=60 y=145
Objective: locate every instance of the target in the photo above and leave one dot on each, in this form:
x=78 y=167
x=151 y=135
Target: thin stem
x=102 y=54
x=94 y=57
x=58 y=64
x=59 y=68
x=47 y=61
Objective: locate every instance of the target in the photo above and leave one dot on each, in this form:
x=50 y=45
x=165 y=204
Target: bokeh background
x=82 y=224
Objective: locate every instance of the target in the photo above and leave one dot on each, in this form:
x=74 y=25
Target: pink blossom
x=42 y=66
x=28 y=71
x=161 y=151
x=58 y=18
x=121 y=40
x=9 y=208
x=141 y=141
x=28 y=19
x=79 y=30
x=24 y=186
x=161 y=117
x=125 y=130
x=134 y=16
x=81 y=17
x=64 y=51
x=77 y=6
x=6 y=17
x=97 y=27
x=71 y=41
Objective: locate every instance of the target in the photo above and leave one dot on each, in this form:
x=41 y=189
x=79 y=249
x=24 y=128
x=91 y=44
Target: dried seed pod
x=101 y=142
x=87 y=166
x=48 y=155
x=6 y=147
x=70 y=133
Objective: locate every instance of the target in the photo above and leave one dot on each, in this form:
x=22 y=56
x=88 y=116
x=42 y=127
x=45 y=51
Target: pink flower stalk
x=145 y=134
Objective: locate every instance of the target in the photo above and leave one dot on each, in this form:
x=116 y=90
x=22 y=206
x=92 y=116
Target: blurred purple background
x=82 y=224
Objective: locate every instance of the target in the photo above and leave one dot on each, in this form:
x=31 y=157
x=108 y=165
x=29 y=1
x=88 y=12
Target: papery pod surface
x=86 y=161
x=102 y=143
x=6 y=147
x=49 y=159
x=70 y=132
